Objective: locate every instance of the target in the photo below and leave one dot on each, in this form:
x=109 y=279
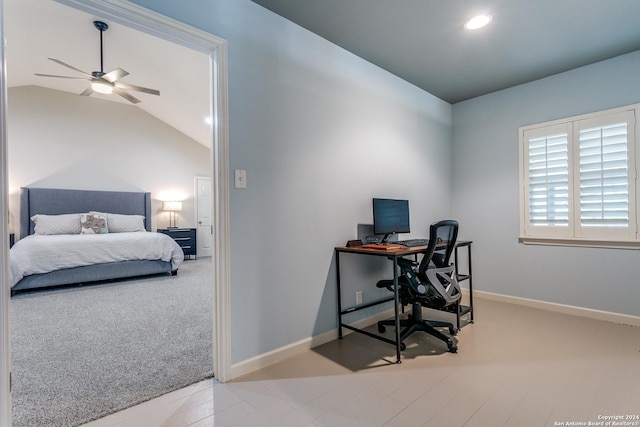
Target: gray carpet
x=81 y=353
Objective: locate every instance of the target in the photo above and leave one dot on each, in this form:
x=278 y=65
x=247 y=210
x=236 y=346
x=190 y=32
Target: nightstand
x=185 y=237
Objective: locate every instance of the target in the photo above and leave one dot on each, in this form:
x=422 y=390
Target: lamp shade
x=172 y=206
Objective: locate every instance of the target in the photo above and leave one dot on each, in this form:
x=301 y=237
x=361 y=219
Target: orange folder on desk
x=384 y=246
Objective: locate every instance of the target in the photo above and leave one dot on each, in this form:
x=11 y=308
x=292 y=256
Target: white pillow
x=93 y=223
x=119 y=223
x=57 y=224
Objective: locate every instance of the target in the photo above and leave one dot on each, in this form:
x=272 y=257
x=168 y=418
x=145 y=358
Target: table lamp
x=172 y=208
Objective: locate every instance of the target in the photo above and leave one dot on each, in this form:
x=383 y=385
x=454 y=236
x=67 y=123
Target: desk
x=393 y=256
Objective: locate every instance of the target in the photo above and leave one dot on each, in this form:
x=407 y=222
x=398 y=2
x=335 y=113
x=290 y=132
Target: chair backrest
x=442 y=241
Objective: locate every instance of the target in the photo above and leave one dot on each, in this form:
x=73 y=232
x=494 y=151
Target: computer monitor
x=390 y=216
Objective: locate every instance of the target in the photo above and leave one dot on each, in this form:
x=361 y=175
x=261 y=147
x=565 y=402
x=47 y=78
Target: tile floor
x=516 y=366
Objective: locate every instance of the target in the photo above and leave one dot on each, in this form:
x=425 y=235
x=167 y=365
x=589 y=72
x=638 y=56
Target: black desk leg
x=396 y=303
x=339 y=292
x=470 y=284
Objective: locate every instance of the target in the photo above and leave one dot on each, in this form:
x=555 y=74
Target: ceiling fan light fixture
x=101 y=82
x=478 y=22
x=101 y=87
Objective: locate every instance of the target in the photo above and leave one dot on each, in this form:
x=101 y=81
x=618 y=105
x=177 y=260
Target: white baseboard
x=282 y=353
x=623 y=319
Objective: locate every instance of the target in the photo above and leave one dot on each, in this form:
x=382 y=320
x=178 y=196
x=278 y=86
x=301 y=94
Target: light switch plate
x=241 y=178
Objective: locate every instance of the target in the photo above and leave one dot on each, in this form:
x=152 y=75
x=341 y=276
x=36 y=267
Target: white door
x=204 y=225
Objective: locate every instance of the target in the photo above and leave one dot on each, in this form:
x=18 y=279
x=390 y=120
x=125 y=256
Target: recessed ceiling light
x=478 y=21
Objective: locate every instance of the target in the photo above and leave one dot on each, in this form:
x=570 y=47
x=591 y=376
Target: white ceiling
x=424 y=42
x=39 y=29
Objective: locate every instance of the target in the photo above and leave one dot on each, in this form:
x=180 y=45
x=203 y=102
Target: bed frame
x=59 y=201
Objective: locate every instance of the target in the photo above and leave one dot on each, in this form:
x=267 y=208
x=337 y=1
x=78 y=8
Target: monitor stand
x=386 y=237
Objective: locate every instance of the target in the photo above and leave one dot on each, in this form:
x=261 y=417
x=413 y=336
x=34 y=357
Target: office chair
x=432 y=284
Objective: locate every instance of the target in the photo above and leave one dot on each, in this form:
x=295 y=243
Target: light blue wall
x=486 y=197
x=320 y=132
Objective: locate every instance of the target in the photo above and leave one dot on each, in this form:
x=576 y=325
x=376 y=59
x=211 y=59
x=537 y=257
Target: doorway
x=157 y=25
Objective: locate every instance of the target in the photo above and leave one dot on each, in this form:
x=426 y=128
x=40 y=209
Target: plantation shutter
x=578 y=180
x=547 y=165
x=604 y=177
x=604 y=190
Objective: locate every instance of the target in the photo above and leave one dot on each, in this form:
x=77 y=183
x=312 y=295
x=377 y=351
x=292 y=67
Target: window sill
x=585 y=243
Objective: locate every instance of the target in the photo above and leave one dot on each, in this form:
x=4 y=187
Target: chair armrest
x=388 y=284
x=406 y=263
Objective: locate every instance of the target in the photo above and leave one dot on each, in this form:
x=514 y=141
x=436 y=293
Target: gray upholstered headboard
x=51 y=201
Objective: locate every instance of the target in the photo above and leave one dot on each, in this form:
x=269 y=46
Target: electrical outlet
x=358 y=297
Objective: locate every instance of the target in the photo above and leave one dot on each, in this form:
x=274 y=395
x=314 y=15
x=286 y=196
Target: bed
x=43 y=259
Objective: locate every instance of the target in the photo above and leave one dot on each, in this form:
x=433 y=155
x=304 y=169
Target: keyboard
x=413 y=242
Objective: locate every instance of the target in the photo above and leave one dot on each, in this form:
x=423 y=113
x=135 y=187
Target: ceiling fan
x=101 y=82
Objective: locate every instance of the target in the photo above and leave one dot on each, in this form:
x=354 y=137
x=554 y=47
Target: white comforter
x=37 y=254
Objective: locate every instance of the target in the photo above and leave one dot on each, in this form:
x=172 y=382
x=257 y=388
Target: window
x=578 y=180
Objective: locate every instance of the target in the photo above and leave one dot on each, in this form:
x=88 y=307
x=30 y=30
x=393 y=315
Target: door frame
x=5 y=293
x=155 y=24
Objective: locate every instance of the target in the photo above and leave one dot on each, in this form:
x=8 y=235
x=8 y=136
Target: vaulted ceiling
x=424 y=42
x=37 y=29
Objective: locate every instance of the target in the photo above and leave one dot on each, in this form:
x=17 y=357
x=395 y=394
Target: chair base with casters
x=415 y=322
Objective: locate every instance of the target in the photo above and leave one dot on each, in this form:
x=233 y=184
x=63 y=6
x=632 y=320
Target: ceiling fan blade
x=126 y=95
x=61 y=77
x=88 y=91
x=69 y=66
x=138 y=88
x=114 y=75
